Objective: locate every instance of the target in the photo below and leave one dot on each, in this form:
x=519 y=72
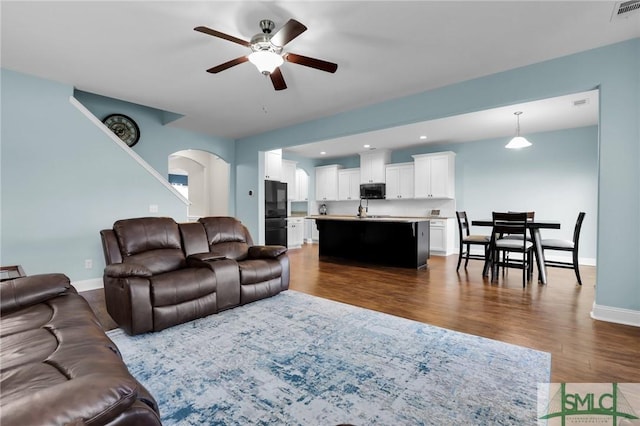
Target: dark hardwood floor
x=552 y=318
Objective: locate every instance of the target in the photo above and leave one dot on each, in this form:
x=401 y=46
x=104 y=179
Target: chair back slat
x=510 y=223
x=463 y=223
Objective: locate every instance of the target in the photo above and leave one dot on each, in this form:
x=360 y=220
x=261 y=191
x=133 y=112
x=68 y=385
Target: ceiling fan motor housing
x=262 y=41
x=267 y=25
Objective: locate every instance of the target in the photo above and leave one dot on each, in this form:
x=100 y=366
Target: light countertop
x=371 y=218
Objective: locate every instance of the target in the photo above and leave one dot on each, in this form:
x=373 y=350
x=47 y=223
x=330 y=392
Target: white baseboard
x=86 y=285
x=616 y=315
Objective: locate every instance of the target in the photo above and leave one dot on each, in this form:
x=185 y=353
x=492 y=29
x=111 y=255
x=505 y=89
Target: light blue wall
x=614 y=69
x=557 y=178
x=158 y=141
x=63 y=179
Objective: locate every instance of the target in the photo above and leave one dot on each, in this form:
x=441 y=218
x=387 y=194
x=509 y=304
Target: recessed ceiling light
x=367 y=146
x=423 y=137
x=323 y=153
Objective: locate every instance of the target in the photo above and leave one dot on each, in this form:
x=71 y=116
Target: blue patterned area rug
x=296 y=359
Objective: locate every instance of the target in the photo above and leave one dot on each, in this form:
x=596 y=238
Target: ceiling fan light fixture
x=518 y=141
x=266 y=61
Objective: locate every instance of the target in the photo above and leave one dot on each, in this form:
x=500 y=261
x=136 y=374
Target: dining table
x=534 y=228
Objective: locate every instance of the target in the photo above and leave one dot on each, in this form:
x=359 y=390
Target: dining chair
x=466 y=240
x=566 y=245
x=511 y=224
x=530 y=216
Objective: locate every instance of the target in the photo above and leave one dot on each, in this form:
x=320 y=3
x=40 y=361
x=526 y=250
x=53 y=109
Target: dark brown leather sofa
x=57 y=365
x=160 y=273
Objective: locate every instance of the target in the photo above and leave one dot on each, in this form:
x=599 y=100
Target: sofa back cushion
x=227 y=236
x=153 y=242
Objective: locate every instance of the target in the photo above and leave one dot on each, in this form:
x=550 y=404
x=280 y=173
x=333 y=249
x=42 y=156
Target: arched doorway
x=204 y=179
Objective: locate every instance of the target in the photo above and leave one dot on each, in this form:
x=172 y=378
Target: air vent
x=624 y=9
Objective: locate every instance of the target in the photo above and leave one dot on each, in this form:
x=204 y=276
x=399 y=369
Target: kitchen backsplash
x=390 y=207
x=299 y=208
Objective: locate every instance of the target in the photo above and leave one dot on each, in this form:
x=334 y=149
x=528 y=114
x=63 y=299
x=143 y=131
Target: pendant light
x=518 y=141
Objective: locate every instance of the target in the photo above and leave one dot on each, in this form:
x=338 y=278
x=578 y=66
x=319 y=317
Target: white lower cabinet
x=295 y=232
x=310 y=231
x=442 y=236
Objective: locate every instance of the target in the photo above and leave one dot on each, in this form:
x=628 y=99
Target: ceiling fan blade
x=288 y=32
x=311 y=62
x=228 y=64
x=215 y=33
x=278 y=80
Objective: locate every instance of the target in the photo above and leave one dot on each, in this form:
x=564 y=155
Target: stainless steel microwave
x=372 y=191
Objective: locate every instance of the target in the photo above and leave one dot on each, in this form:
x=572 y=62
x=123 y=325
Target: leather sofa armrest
x=126 y=270
x=33 y=289
x=98 y=398
x=206 y=256
x=204 y=260
x=266 y=252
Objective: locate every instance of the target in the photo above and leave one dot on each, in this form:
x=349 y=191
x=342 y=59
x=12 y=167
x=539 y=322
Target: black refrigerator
x=275 y=213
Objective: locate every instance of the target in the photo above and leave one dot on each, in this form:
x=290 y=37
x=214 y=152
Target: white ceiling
x=562 y=112
x=148 y=53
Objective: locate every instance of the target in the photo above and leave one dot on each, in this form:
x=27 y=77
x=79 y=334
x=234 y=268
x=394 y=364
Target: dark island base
x=403 y=244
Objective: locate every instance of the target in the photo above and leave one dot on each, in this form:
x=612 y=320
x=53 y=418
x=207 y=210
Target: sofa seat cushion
x=172 y=288
x=254 y=271
x=41 y=344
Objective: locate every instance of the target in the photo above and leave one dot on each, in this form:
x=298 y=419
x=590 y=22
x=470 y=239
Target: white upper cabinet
x=400 y=181
x=349 y=184
x=373 y=164
x=302 y=185
x=434 y=175
x=273 y=165
x=289 y=176
x=327 y=182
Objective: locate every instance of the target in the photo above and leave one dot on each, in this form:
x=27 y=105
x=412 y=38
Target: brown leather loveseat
x=160 y=273
x=58 y=366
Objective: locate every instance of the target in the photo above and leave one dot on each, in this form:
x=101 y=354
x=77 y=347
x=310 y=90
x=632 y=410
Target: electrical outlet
x=88 y=263
x=153 y=208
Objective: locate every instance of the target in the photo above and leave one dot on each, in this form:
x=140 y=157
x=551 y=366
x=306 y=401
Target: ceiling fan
x=266 y=51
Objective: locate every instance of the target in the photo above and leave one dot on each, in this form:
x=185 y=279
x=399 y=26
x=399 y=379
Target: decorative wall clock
x=124 y=127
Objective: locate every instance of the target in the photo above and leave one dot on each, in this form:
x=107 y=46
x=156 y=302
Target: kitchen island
x=383 y=240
